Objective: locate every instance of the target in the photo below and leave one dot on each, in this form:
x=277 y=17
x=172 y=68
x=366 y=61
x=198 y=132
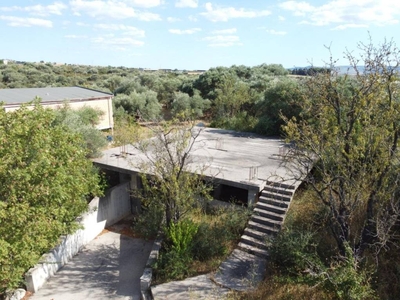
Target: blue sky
x=192 y=34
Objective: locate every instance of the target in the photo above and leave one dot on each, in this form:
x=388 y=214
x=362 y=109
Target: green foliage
x=294 y=252
x=188 y=106
x=181 y=235
x=142 y=104
x=242 y=121
x=281 y=99
x=169 y=183
x=351 y=124
x=45 y=178
x=148 y=221
x=82 y=121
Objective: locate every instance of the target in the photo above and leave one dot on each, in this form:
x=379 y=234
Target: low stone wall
x=146 y=278
x=104 y=211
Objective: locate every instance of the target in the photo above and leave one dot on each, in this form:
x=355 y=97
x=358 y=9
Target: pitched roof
x=50 y=94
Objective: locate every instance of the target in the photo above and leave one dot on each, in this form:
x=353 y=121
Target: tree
x=45 y=179
x=83 y=122
x=171 y=184
x=189 y=106
x=346 y=146
x=231 y=95
x=282 y=98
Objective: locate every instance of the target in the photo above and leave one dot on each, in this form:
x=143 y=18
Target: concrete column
x=135 y=201
x=252 y=197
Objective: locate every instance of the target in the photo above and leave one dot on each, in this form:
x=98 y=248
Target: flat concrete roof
x=49 y=94
x=230 y=157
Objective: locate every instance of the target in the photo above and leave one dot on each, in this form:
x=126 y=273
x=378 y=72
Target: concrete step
x=266 y=221
x=281 y=185
x=274 y=202
x=268 y=214
x=257 y=234
x=275 y=196
x=278 y=190
x=254 y=250
x=271 y=207
x=245 y=239
x=262 y=228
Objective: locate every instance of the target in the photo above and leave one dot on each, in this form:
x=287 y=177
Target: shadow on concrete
x=109 y=267
x=241 y=271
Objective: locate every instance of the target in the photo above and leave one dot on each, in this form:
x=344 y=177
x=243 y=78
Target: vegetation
x=198 y=243
x=166 y=179
x=45 y=178
x=230 y=97
x=83 y=121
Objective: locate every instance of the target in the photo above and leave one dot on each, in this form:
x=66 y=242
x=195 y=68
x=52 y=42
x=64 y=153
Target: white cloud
x=192 y=18
x=26 y=22
x=186 y=31
x=117 y=41
x=218 y=14
x=223 y=40
x=145 y=3
x=225 y=31
x=281 y=18
x=52 y=9
x=187 y=3
x=358 y=13
x=74 y=36
x=145 y=16
x=126 y=30
x=111 y=9
x=345 y=26
x=172 y=19
x=274 y=32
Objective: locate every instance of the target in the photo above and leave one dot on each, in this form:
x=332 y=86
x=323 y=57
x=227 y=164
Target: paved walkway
x=241 y=271
x=108 y=268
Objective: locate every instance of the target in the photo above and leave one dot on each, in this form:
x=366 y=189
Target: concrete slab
x=109 y=267
x=241 y=271
x=199 y=287
x=238 y=159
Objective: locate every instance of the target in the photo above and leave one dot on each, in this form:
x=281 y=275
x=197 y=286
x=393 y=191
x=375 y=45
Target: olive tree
x=168 y=179
x=45 y=178
x=346 y=147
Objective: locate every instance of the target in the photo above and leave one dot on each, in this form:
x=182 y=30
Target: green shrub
x=147 y=223
x=181 y=235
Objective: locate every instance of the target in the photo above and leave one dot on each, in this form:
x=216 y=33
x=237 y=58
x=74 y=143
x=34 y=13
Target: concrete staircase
x=267 y=218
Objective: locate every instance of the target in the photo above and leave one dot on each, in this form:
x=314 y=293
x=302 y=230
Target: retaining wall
x=104 y=211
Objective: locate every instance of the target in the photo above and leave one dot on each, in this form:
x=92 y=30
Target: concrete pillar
x=135 y=201
x=252 y=197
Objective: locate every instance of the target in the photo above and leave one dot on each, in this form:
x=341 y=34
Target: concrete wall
x=103 y=212
x=105 y=105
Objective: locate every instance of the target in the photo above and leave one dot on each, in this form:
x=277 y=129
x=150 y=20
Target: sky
x=193 y=34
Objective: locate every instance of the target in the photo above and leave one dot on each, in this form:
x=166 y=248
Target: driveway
x=109 y=267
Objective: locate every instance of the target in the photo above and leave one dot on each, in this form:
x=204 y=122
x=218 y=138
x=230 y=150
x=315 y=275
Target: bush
x=148 y=222
x=295 y=254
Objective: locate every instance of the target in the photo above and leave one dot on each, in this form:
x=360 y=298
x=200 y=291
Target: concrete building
x=55 y=97
x=240 y=164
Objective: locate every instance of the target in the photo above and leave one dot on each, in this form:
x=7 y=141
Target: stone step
x=281 y=185
x=278 y=190
x=274 y=202
x=253 y=250
x=275 y=196
x=245 y=239
x=259 y=227
x=257 y=234
x=271 y=207
x=268 y=214
x=266 y=221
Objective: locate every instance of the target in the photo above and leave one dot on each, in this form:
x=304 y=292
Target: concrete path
x=199 y=287
x=108 y=268
x=241 y=271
